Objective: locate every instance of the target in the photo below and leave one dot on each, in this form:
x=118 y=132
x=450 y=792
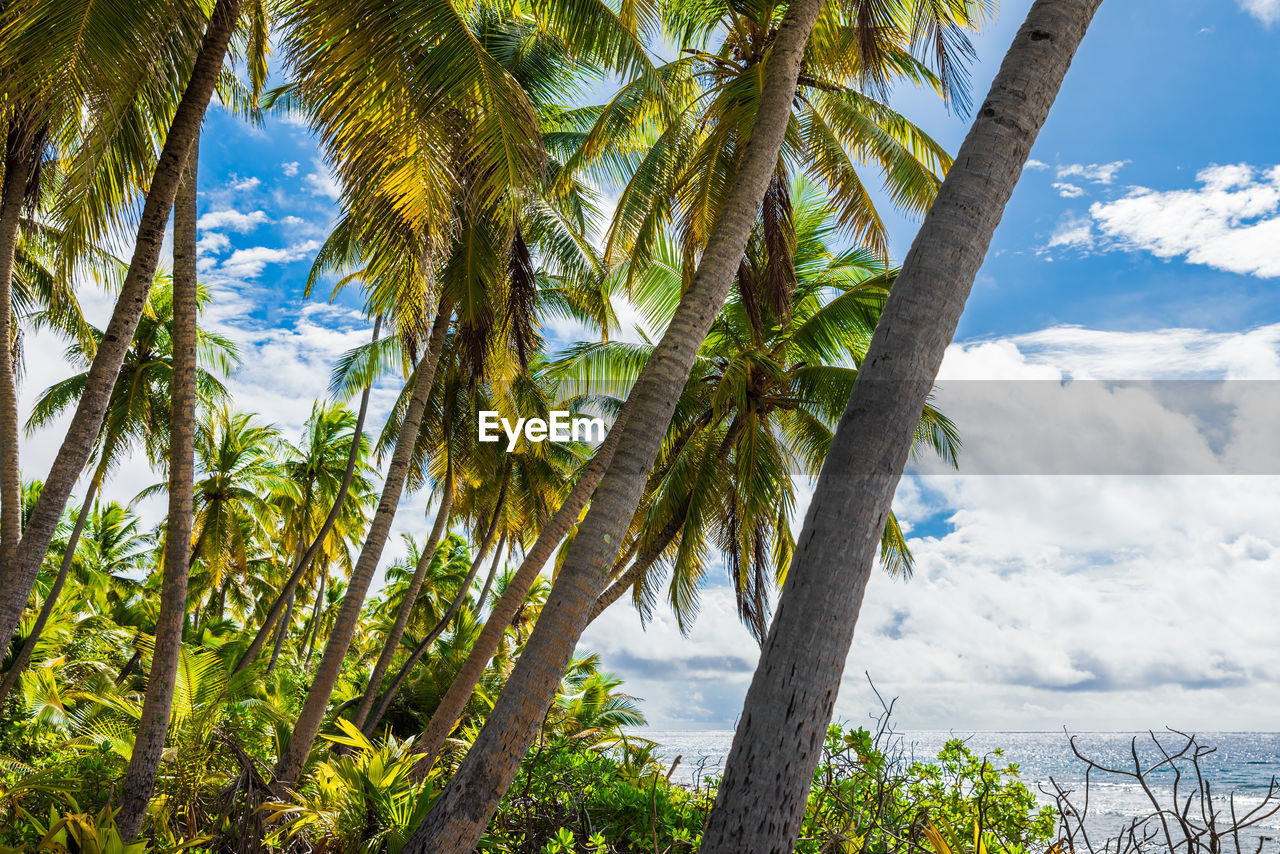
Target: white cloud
x=212 y=243
x=248 y=263
x=1037 y=165
x=1068 y=191
x=1230 y=222
x=290 y=169
x=323 y=183
x=1073 y=232
x=1266 y=11
x=1099 y=173
x=245 y=184
x=232 y=219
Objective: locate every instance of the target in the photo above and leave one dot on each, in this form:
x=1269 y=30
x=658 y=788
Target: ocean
x=1243 y=763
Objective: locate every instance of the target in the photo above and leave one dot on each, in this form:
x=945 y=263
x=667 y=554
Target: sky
x=1142 y=243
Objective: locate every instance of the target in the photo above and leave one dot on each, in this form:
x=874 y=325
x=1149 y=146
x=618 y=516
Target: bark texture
x=396 y=632
x=460 y=814
x=294 y=757
x=284 y=601
x=153 y=725
x=761 y=802
x=18 y=572
x=17 y=169
x=508 y=605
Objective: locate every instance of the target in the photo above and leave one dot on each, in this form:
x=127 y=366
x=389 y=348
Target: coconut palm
x=760 y=406
x=138 y=413
x=458 y=817
x=17 y=574
x=792 y=694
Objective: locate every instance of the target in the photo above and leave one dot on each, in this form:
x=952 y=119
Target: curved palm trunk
x=281 y=631
x=295 y=755
x=459 y=816
x=17 y=169
x=645 y=559
x=761 y=801
x=464 y=683
x=317 y=613
x=493 y=572
x=18 y=572
x=371 y=725
x=285 y=598
x=396 y=631
x=28 y=648
x=153 y=725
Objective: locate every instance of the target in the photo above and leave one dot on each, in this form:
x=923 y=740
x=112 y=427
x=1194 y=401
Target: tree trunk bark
x=493 y=572
x=291 y=763
x=460 y=814
x=17 y=169
x=761 y=801
x=317 y=613
x=24 y=655
x=644 y=560
x=153 y=725
x=410 y=600
x=281 y=630
x=18 y=572
x=299 y=570
x=464 y=683
x=371 y=725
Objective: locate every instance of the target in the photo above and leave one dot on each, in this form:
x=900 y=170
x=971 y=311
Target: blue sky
x=1144 y=240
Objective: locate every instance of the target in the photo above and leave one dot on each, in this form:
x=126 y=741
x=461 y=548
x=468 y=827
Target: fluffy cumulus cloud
x=232 y=220
x=1092 y=601
x=1266 y=11
x=249 y=262
x=1229 y=221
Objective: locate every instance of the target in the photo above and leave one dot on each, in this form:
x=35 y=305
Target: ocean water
x=1243 y=763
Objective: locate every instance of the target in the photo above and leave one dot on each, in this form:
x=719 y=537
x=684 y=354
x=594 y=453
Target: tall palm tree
x=760 y=804
x=460 y=814
x=476 y=69
x=18 y=569
x=138 y=413
x=760 y=406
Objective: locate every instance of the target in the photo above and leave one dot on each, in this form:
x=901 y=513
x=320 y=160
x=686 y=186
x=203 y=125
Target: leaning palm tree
x=473 y=271
x=138 y=414
x=761 y=405
x=18 y=567
x=463 y=809
x=761 y=802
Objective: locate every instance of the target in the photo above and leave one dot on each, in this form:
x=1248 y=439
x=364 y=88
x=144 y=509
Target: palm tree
x=760 y=406
x=19 y=568
x=137 y=415
x=760 y=803
x=460 y=814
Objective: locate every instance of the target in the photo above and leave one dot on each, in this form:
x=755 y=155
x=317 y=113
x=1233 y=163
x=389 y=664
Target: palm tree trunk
x=18 y=572
x=281 y=631
x=460 y=814
x=295 y=755
x=464 y=589
x=493 y=571
x=17 y=169
x=317 y=612
x=645 y=559
x=153 y=725
x=24 y=655
x=464 y=683
x=407 y=604
x=300 y=569
x=761 y=801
